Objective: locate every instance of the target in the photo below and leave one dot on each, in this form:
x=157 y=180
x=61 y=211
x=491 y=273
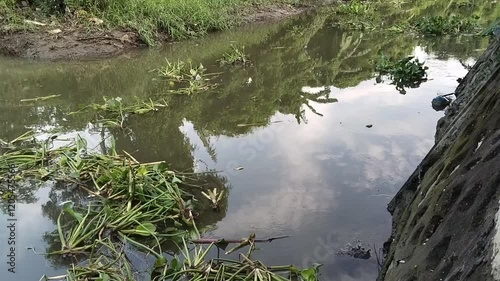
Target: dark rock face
x=444 y=215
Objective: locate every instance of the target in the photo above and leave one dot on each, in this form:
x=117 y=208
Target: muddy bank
x=69 y=44
x=78 y=42
x=444 y=216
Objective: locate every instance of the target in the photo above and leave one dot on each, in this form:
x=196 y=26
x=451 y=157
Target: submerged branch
x=234 y=241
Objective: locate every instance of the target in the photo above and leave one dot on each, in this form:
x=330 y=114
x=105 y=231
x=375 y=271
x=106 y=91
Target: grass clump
x=451 y=25
x=235 y=56
x=406 y=72
x=185 y=78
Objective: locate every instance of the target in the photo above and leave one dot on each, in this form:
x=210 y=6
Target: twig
x=131 y=157
x=97 y=37
x=257 y=124
x=234 y=241
x=383 y=195
x=448 y=94
x=40 y=98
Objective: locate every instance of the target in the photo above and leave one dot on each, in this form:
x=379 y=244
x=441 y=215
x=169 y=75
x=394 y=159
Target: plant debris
x=133 y=204
x=114 y=113
x=184 y=78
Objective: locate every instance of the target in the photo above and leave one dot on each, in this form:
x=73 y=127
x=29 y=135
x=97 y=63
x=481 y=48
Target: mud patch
x=69 y=44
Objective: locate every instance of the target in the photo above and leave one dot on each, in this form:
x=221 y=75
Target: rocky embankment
x=445 y=217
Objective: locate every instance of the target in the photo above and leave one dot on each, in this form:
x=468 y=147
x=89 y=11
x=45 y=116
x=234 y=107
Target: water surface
x=312 y=169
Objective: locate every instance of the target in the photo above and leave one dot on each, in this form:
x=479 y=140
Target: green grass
x=177 y=19
x=355 y=7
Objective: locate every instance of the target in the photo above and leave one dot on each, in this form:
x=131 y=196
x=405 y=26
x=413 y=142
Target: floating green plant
x=185 y=78
x=197 y=266
x=114 y=113
x=406 y=72
x=214 y=197
x=235 y=56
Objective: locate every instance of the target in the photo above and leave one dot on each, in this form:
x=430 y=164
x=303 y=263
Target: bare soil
x=79 y=43
x=69 y=44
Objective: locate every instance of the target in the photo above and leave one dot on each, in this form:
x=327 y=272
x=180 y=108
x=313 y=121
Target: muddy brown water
x=312 y=169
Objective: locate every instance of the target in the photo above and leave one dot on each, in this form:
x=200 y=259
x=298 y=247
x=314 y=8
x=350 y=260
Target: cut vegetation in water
x=116 y=188
x=128 y=203
x=235 y=56
x=186 y=78
x=113 y=113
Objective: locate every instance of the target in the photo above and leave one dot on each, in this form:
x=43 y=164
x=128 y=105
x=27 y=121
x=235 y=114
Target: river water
x=312 y=169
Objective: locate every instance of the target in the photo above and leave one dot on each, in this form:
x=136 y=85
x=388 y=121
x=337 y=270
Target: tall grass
x=178 y=19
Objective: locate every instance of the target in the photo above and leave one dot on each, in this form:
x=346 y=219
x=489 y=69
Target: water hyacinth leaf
x=81 y=144
x=63 y=160
x=160 y=167
x=103 y=179
x=170 y=230
x=107 y=210
x=142 y=171
x=113 y=103
x=75 y=175
x=175 y=264
x=145 y=229
x=308 y=274
x=104 y=277
x=176 y=180
x=161 y=262
x=69 y=210
x=43 y=172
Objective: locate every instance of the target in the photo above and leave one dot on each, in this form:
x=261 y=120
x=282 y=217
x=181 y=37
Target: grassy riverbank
x=151 y=19
x=87 y=29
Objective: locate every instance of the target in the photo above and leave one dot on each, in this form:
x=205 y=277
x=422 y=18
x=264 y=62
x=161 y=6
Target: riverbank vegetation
x=152 y=19
x=96 y=28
